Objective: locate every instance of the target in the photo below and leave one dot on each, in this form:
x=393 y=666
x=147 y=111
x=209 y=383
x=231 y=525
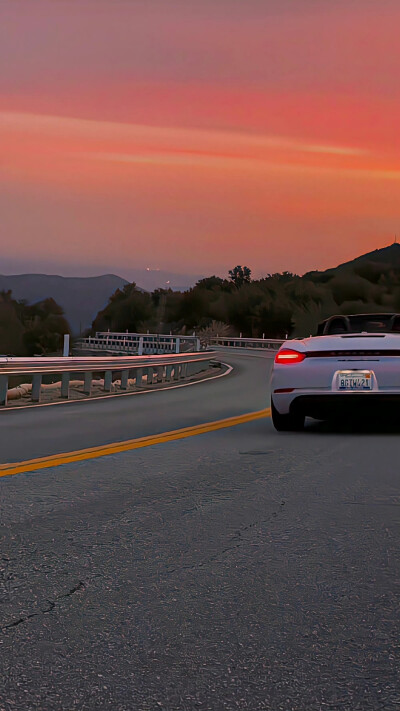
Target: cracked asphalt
x=240 y=569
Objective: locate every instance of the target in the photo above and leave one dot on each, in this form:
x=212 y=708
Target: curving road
x=41 y=431
x=240 y=569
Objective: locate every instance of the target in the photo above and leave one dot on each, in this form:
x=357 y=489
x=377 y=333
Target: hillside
x=379 y=260
x=81 y=298
x=386 y=255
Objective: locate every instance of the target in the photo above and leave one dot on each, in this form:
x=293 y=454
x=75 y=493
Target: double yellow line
x=81 y=455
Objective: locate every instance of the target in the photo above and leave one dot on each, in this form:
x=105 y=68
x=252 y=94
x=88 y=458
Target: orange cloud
x=33 y=141
x=209 y=195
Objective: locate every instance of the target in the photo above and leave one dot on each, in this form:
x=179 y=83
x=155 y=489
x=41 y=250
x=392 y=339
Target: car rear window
x=359 y=323
x=371 y=324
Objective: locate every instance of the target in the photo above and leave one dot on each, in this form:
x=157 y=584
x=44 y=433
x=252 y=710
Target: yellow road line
x=56 y=460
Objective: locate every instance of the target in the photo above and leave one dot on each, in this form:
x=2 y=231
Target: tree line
x=276 y=306
x=30 y=329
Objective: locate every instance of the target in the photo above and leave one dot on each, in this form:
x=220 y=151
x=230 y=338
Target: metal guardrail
x=138 y=343
x=272 y=344
x=158 y=368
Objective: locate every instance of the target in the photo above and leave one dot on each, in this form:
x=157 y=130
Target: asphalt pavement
x=240 y=569
x=41 y=431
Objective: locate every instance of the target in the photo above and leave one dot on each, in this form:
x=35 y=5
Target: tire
x=286 y=423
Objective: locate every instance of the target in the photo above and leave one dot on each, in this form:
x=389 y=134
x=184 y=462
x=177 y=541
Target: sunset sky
x=194 y=135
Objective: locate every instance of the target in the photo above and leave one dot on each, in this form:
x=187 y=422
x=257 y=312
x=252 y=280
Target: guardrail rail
x=153 y=369
x=272 y=344
x=138 y=343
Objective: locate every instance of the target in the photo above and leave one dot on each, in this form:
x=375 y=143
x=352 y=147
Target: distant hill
x=151 y=279
x=380 y=261
x=80 y=297
x=389 y=256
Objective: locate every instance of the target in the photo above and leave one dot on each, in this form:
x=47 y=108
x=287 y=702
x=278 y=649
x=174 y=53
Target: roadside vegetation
x=27 y=330
x=278 y=305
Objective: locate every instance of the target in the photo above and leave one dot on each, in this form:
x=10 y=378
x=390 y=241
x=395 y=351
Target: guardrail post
x=160 y=373
x=124 y=379
x=176 y=371
x=140 y=348
x=65 y=385
x=198 y=367
x=139 y=377
x=178 y=345
x=36 y=387
x=3 y=389
x=108 y=378
x=66 y=345
x=168 y=373
x=87 y=383
x=183 y=371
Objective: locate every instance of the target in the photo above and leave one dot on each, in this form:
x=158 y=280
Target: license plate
x=354 y=380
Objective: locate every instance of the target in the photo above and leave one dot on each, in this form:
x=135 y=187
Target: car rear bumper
x=333 y=405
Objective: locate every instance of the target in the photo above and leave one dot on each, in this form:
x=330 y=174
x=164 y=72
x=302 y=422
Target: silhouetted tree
x=212 y=282
x=30 y=329
x=240 y=275
x=127 y=309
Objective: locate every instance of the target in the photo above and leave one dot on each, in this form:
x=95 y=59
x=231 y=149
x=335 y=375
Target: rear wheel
x=286 y=423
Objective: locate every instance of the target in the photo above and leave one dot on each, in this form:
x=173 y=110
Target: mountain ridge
x=384 y=255
x=80 y=297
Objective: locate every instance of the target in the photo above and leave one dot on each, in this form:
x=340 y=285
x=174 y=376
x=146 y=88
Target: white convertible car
x=350 y=366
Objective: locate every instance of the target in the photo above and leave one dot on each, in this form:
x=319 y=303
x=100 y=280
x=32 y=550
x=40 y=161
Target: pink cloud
x=204 y=132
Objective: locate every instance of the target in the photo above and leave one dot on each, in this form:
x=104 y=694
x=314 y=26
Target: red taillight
x=286 y=357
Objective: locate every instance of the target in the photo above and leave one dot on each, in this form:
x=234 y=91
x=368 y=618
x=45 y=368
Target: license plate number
x=352 y=380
